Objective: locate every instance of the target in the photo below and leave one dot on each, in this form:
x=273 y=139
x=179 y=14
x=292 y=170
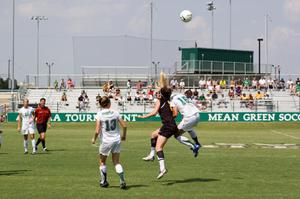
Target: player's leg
x=104 y=150
x=153 y=141
x=161 y=141
x=43 y=140
x=119 y=169
x=25 y=141
x=31 y=132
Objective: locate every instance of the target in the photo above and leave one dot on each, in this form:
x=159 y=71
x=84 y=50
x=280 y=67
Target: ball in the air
x=186 y=16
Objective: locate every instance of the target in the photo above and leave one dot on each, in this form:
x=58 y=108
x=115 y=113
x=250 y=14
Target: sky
x=69 y=19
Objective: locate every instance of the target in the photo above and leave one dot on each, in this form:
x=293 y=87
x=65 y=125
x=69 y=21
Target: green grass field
x=70 y=168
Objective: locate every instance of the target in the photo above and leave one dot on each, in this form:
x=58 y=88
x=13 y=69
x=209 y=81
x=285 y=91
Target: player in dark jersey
x=168 y=128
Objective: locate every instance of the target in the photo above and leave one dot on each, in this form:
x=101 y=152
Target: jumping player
x=108 y=131
x=26 y=118
x=43 y=118
x=181 y=103
x=169 y=127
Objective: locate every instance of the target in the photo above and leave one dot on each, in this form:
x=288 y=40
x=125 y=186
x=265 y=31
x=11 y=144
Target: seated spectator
x=145 y=96
x=223 y=84
x=250 y=101
x=62 y=85
x=214 y=96
x=70 y=84
x=218 y=88
x=270 y=83
x=259 y=96
x=129 y=85
x=56 y=85
x=86 y=102
x=118 y=94
x=202 y=84
x=202 y=102
x=282 y=84
x=137 y=97
x=297 y=90
x=292 y=89
x=254 y=84
x=238 y=91
x=181 y=85
x=289 y=83
x=98 y=97
x=231 y=93
x=232 y=83
x=129 y=98
x=243 y=102
x=174 y=84
x=246 y=83
x=64 y=99
x=139 y=86
x=81 y=106
x=195 y=94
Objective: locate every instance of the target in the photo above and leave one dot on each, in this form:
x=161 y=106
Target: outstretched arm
x=152 y=113
x=97 y=131
x=124 y=127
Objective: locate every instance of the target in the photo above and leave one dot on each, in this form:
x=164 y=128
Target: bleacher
x=280 y=101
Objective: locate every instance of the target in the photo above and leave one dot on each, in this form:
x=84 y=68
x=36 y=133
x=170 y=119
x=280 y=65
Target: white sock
x=192 y=133
x=120 y=172
x=33 y=145
x=185 y=141
x=103 y=173
x=26 y=145
x=152 y=152
x=161 y=164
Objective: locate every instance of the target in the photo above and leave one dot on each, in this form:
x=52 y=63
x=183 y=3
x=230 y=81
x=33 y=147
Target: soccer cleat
x=36 y=148
x=25 y=152
x=162 y=173
x=33 y=153
x=196 y=150
x=148 y=158
x=123 y=185
x=45 y=149
x=104 y=184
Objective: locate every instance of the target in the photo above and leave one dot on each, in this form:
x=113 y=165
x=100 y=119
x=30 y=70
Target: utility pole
x=259 y=46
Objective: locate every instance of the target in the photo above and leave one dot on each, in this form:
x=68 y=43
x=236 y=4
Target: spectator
x=297 y=81
x=297 y=90
x=139 y=86
x=238 y=91
x=203 y=102
x=137 y=97
x=231 y=93
x=56 y=85
x=254 y=83
x=129 y=98
x=246 y=83
x=70 y=84
x=98 y=97
x=195 y=94
x=222 y=101
x=214 y=96
x=282 y=84
x=270 y=83
x=118 y=94
x=81 y=103
x=218 y=88
x=129 y=85
x=64 y=99
x=174 y=84
x=232 y=83
x=250 y=101
x=181 y=85
x=243 y=102
x=202 y=84
x=111 y=85
x=259 y=96
x=289 y=83
x=223 y=84
x=62 y=85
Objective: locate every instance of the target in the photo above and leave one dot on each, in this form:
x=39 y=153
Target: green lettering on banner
x=204 y=117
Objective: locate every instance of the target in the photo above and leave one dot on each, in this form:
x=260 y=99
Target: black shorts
x=168 y=131
x=42 y=128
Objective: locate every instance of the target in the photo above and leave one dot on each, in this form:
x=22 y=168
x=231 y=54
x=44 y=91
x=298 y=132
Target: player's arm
x=153 y=113
x=124 y=127
x=97 y=131
x=175 y=111
x=19 y=122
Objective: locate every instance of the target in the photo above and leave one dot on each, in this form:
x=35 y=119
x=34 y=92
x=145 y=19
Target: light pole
x=229 y=24
x=259 y=43
x=267 y=20
x=155 y=68
x=49 y=72
x=8 y=74
x=13 y=49
x=38 y=19
x=211 y=7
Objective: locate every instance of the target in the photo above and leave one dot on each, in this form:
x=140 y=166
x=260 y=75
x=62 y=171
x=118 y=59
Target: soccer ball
x=186 y=16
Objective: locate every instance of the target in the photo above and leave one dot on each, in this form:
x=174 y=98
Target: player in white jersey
x=108 y=131
x=26 y=119
x=190 y=113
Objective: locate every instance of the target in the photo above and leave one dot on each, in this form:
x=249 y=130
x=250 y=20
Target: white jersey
x=185 y=106
x=27 y=117
x=110 y=130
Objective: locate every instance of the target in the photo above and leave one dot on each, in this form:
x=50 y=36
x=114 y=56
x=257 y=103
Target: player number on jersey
x=110 y=125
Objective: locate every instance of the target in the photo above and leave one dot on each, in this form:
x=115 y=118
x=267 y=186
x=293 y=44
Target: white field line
x=287 y=135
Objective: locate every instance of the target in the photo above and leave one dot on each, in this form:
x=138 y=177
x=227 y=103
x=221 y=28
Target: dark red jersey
x=42 y=115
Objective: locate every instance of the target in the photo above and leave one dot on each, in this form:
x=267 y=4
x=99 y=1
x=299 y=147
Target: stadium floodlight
x=155 y=68
x=259 y=46
x=211 y=7
x=49 y=72
x=38 y=19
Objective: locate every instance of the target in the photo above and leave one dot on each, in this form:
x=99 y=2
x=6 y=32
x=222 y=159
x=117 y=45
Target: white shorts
x=188 y=123
x=27 y=130
x=110 y=147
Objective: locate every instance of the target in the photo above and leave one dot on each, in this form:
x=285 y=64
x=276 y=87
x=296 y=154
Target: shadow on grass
x=190 y=180
x=3 y=153
x=50 y=150
x=12 y=172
